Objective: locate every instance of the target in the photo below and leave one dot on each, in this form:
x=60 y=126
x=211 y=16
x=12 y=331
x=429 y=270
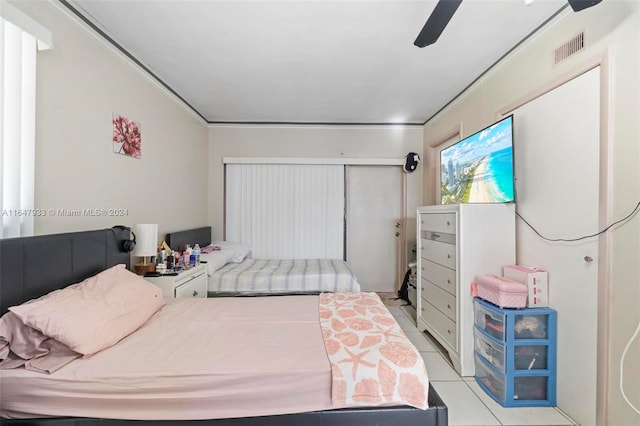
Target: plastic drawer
x=525 y=388
x=530 y=357
x=490 y=380
x=492 y=352
x=491 y=322
x=530 y=326
x=530 y=388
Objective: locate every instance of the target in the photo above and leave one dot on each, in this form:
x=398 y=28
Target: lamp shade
x=146 y=239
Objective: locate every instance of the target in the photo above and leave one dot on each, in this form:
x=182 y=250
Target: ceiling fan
x=445 y=9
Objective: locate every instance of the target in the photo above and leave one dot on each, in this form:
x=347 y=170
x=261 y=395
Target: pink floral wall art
x=126 y=136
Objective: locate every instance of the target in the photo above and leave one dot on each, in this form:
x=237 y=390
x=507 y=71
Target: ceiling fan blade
x=439 y=19
x=578 y=5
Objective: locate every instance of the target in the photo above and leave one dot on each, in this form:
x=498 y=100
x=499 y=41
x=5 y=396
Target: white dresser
x=456 y=243
x=188 y=283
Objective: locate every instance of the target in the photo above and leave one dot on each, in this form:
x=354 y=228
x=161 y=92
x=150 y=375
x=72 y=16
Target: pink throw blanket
x=372 y=360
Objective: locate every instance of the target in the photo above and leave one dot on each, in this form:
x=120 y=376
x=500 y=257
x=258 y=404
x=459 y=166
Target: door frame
x=431 y=192
x=401 y=241
x=604 y=214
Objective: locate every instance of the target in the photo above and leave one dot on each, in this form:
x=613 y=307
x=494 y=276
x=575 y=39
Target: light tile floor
x=467 y=403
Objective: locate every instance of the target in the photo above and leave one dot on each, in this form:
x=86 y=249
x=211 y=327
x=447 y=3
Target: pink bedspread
x=372 y=360
x=234 y=357
x=195 y=359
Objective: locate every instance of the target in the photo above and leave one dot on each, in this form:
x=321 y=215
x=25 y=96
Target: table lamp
x=146 y=246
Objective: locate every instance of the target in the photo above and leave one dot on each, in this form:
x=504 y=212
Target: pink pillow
x=96 y=313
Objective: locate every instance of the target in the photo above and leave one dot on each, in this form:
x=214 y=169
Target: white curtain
x=17 y=130
x=286 y=211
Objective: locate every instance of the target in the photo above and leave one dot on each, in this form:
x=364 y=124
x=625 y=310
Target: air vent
x=569 y=48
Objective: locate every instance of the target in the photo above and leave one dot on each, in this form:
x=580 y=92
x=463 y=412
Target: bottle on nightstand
x=197 y=251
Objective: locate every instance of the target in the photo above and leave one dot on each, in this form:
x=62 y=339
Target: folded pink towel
x=209 y=249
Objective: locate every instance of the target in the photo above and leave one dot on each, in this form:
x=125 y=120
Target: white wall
x=310 y=141
x=613 y=32
x=80 y=84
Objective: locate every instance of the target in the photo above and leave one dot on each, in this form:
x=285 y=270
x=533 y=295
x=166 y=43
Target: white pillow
x=216 y=259
x=239 y=250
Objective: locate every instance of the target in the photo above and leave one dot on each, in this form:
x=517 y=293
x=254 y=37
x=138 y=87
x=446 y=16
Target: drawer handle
x=449 y=331
x=449 y=281
x=436 y=235
x=421 y=288
x=448 y=256
x=448 y=306
x=195 y=293
x=448 y=223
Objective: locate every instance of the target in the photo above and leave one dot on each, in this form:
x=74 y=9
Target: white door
x=373 y=210
x=556 y=145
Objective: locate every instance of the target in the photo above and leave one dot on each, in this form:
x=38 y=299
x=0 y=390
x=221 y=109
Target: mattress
x=283 y=276
x=195 y=359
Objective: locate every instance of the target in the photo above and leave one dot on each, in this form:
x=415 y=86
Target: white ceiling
x=313 y=61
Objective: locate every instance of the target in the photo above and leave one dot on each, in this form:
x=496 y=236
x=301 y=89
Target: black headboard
x=31 y=267
x=201 y=236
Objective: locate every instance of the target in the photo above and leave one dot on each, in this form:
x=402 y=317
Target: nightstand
x=188 y=283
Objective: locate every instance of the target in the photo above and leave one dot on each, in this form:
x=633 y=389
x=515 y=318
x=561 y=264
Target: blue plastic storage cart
x=515 y=354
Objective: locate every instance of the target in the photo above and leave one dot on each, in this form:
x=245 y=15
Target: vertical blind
x=286 y=211
x=17 y=130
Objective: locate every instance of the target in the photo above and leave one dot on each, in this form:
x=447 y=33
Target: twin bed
x=222 y=361
x=232 y=272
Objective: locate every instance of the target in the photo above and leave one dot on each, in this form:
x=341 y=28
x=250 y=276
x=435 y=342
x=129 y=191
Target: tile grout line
x=461 y=379
x=482 y=402
x=566 y=416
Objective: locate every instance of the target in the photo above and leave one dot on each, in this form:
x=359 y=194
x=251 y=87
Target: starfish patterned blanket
x=372 y=360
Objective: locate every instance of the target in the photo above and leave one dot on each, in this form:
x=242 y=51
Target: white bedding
x=283 y=276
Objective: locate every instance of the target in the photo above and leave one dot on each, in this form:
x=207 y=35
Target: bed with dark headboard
x=34 y=266
x=179 y=239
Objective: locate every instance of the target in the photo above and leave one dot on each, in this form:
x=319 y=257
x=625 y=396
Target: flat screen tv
x=479 y=168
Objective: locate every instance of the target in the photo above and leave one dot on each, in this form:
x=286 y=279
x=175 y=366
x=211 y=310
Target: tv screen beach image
x=479 y=169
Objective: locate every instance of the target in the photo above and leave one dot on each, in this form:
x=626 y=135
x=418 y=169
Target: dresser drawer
x=196 y=286
x=439 y=222
x=441 y=253
x=439 y=298
x=440 y=323
x=443 y=277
